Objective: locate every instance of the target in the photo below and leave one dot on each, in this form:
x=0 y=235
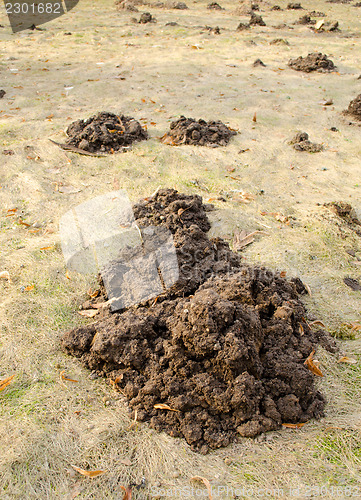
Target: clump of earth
x=294 y=6
x=306 y=19
x=256 y=20
x=301 y=142
x=105 y=132
x=345 y=211
x=2 y=93
x=214 y=6
x=222 y=352
x=313 y=62
x=258 y=62
x=354 y=108
x=198 y=133
x=147 y=17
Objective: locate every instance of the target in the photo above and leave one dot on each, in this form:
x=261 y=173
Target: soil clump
x=223 y=352
x=105 y=132
x=313 y=62
x=301 y=142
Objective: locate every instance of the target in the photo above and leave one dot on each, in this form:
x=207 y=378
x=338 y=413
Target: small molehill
x=301 y=142
x=354 y=108
x=105 y=133
x=224 y=352
x=198 y=133
x=214 y=6
x=2 y=93
x=313 y=62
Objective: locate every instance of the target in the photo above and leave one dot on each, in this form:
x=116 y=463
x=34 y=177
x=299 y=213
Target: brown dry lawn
x=156 y=73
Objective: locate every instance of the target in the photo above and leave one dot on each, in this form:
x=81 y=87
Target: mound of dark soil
x=179 y=6
x=2 y=93
x=294 y=6
x=306 y=19
x=313 y=62
x=198 y=133
x=258 y=62
x=224 y=349
x=105 y=132
x=210 y=29
x=345 y=211
x=301 y=142
x=354 y=108
x=214 y=6
x=256 y=20
x=317 y=13
x=242 y=27
x=276 y=7
x=147 y=17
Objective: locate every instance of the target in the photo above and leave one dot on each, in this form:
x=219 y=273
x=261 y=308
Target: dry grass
x=48 y=424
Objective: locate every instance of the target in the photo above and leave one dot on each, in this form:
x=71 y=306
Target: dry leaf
x=161 y=406
x=47 y=248
x=242 y=197
x=64 y=377
x=242 y=239
x=317 y=322
x=206 y=483
x=4 y=383
x=167 y=139
x=301 y=330
x=308 y=289
x=89 y=313
x=283 y=274
x=89 y=473
x=294 y=426
x=5 y=275
x=311 y=365
x=94 y=294
x=346 y=359
x=29 y=288
x=254 y=119
x=127 y=492
x=67 y=275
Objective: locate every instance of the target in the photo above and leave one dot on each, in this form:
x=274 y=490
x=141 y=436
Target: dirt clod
x=353 y=283
x=105 y=132
x=147 y=17
x=256 y=20
x=294 y=6
x=198 y=132
x=179 y=6
x=313 y=62
x=258 y=62
x=301 y=142
x=354 y=108
x=2 y=93
x=345 y=211
x=224 y=347
x=306 y=19
x=214 y=6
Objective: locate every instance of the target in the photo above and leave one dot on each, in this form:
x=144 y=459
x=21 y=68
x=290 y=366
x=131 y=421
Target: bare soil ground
x=97 y=59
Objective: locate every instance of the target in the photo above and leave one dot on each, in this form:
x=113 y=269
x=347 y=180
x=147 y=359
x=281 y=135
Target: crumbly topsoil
x=198 y=132
x=354 y=108
x=105 y=132
x=313 y=62
x=224 y=348
x=301 y=142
